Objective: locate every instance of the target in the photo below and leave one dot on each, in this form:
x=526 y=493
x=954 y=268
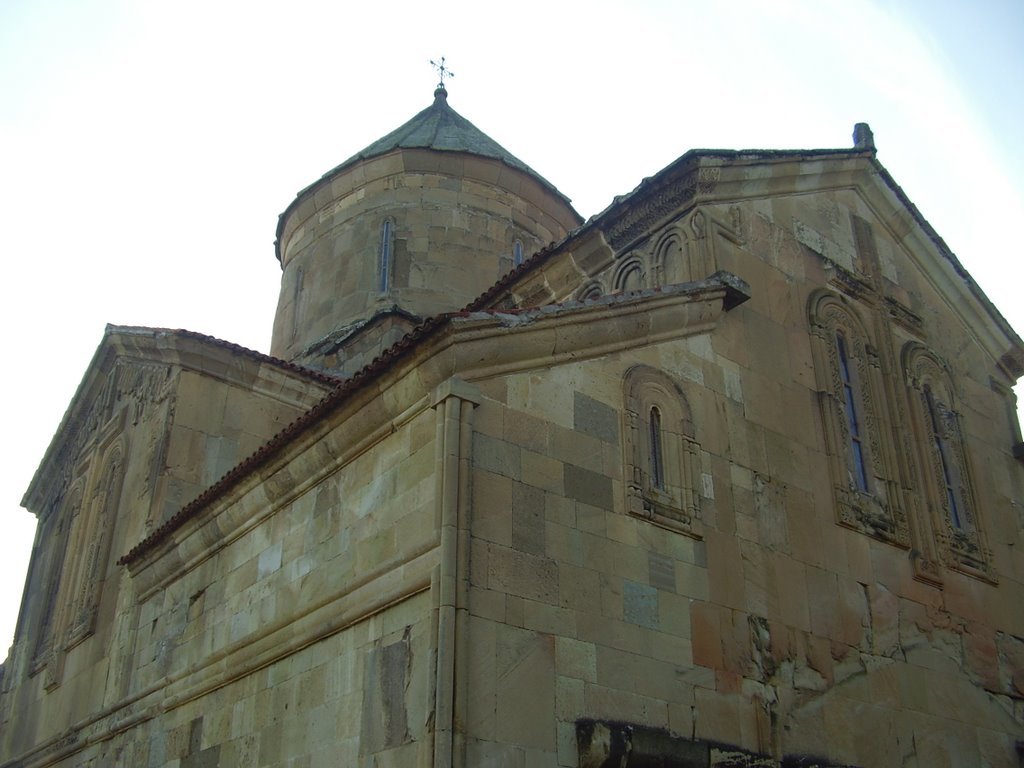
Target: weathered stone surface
x=613 y=511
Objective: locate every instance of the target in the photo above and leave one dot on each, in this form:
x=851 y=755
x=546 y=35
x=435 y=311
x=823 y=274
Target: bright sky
x=146 y=148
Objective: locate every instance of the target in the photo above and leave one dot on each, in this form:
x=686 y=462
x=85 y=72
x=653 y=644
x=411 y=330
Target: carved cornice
x=643 y=215
x=904 y=316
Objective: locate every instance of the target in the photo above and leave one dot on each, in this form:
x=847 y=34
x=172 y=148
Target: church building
x=728 y=474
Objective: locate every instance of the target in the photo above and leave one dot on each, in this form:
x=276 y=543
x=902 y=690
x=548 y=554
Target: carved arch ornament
x=851 y=396
x=629 y=274
x=77 y=536
x=46 y=579
x=670 y=259
x=662 y=455
x=92 y=544
x=590 y=291
x=682 y=251
x=943 y=465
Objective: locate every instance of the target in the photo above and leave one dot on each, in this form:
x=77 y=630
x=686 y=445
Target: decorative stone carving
x=862 y=465
x=644 y=215
x=662 y=453
x=946 y=476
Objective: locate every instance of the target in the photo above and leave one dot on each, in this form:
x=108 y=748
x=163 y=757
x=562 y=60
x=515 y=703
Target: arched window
x=93 y=546
x=517 y=253
x=51 y=559
x=853 y=417
x=386 y=256
x=298 y=301
x=656 y=458
x=942 y=457
x=938 y=417
x=851 y=396
x=661 y=452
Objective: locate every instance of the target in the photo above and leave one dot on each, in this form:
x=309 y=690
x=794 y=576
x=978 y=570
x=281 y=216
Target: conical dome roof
x=441 y=128
x=420 y=222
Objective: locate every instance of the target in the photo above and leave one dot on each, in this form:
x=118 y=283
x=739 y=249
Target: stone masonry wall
x=779 y=632
x=306 y=635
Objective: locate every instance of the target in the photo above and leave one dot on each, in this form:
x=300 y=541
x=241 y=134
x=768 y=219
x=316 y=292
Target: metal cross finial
x=442 y=71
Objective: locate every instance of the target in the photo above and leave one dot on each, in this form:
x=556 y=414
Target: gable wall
x=173 y=432
x=779 y=631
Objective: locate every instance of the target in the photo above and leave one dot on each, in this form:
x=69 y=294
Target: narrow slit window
x=860 y=477
x=942 y=450
x=384 y=267
x=657 y=455
x=517 y=253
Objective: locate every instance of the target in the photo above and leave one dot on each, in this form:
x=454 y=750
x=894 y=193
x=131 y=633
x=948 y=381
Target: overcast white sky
x=147 y=148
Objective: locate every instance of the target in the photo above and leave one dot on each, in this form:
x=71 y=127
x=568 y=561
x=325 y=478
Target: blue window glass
x=657 y=460
x=860 y=476
x=517 y=253
x=942 y=449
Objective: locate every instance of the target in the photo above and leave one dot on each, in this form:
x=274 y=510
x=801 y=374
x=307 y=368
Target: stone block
x=614 y=704
x=563 y=543
x=674 y=614
x=529 y=432
x=269 y=560
x=525 y=682
x=579 y=588
x=622 y=528
x=560 y=509
x=528 y=523
x=521 y=574
x=791 y=587
x=576 y=658
x=594 y=418
x=481 y=665
x=717 y=716
x=661 y=572
x=578 y=449
x=823 y=602
x=1011 y=663
x=602 y=630
x=884 y=609
x=497 y=456
x=487 y=604
x=640 y=604
x=492 y=514
x=550 y=619
x=588 y=487
x=569 y=699
x=706 y=633
x=542 y=472
x=725 y=575
x=737 y=650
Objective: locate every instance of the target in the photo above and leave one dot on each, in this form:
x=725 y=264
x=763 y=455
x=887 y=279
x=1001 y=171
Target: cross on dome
x=442 y=72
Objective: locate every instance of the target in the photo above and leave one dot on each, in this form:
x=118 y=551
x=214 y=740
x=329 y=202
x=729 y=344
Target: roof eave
x=150 y=344
x=355 y=161
x=685 y=309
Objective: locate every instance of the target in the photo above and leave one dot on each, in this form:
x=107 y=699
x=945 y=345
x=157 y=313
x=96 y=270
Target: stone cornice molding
x=163 y=350
x=390 y=392
x=702 y=177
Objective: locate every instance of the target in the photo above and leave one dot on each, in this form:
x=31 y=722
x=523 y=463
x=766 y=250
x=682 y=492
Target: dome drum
x=416 y=228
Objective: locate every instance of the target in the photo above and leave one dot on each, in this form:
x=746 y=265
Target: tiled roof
x=302 y=370
x=442 y=129
x=481 y=304
x=736 y=291
x=269 y=449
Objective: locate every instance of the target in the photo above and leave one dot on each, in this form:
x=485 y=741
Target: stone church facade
x=727 y=475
